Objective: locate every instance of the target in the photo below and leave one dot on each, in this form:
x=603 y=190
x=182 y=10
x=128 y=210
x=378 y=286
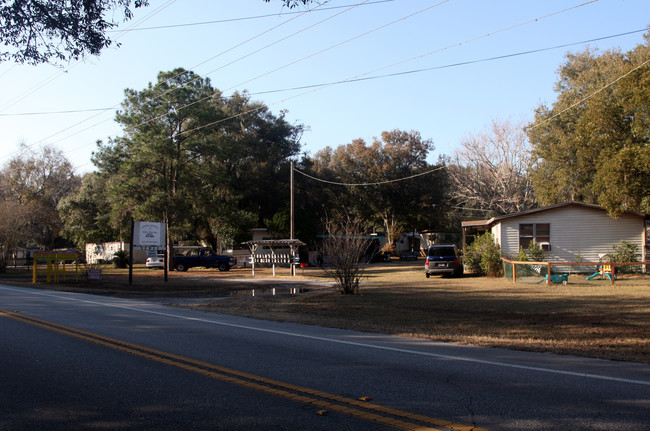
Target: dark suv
x=443 y=259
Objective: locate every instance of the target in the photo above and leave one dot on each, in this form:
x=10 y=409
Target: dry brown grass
x=584 y=318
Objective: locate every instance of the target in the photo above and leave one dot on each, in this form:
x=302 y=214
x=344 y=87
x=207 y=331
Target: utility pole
x=291 y=232
x=292 y=247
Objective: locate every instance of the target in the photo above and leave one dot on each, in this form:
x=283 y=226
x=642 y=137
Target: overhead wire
x=61 y=72
x=589 y=96
x=248 y=55
x=207 y=97
x=390 y=65
x=376 y=183
x=117 y=105
x=342 y=42
x=223 y=21
x=387 y=75
x=447 y=66
x=484 y=35
x=58 y=74
x=358 y=77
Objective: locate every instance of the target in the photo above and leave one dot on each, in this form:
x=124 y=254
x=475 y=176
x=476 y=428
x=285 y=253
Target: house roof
x=473 y=223
x=478 y=223
x=275 y=242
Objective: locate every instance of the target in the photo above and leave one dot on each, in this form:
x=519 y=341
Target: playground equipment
x=605 y=268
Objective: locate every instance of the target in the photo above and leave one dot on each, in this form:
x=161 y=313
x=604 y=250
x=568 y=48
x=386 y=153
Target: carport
x=274 y=258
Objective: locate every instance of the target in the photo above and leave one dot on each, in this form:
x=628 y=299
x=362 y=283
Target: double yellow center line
x=323 y=401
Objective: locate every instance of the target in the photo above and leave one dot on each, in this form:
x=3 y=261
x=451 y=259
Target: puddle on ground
x=270 y=291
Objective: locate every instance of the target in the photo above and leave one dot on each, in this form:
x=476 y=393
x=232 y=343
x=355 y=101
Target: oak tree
x=591 y=145
x=390 y=182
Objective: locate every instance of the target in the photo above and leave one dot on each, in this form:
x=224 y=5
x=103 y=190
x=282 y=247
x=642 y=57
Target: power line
x=254 y=52
x=447 y=66
x=378 y=183
x=222 y=21
x=117 y=105
x=369 y=78
x=393 y=64
x=59 y=73
x=361 y=77
x=343 y=42
x=591 y=95
x=358 y=77
x=73 y=111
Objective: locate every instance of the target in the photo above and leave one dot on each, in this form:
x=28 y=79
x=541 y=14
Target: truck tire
x=180 y=267
x=223 y=266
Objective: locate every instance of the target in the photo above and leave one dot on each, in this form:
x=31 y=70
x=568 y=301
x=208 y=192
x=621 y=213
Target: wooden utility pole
x=291 y=232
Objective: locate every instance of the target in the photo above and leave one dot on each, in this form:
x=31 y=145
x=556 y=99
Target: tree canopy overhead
x=592 y=144
x=41 y=31
x=50 y=31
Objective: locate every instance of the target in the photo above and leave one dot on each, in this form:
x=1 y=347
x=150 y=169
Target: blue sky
x=422 y=43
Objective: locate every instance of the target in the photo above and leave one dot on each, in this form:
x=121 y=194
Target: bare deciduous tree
x=37 y=182
x=345 y=246
x=490 y=170
x=12 y=230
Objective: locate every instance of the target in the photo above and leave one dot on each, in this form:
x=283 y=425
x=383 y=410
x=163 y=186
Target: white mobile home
x=565 y=231
x=104 y=252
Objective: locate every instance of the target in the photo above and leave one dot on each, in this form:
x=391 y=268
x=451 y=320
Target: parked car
x=443 y=259
x=190 y=257
x=156 y=262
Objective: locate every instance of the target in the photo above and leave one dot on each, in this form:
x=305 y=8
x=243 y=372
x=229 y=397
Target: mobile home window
x=537 y=232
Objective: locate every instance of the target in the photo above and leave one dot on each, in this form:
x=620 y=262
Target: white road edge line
x=332 y=340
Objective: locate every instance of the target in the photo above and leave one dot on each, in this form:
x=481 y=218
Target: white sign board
x=148 y=233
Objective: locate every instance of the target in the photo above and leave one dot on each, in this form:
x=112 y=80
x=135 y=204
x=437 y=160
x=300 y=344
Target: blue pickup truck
x=186 y=258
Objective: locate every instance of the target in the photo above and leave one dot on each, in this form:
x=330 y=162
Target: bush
x=536 y=252
x=120 y=259
x=483 y=256
x=625 y=252
x=521 y=256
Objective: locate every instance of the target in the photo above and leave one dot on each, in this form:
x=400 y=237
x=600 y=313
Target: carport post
x=253 y=248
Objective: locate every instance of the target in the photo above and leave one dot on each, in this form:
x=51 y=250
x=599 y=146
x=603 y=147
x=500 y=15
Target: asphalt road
x=72 y=361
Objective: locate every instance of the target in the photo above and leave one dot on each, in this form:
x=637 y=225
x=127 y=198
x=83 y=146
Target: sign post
x=147 y=235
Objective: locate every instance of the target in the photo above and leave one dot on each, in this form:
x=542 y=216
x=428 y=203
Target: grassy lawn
x=583 y=318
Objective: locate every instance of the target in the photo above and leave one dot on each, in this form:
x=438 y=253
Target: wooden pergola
x=273 y=258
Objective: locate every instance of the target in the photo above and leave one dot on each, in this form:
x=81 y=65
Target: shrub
x=483 y=256
x=121 y=259
x=521 y=256
x=535 y=252
x=625 y=252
